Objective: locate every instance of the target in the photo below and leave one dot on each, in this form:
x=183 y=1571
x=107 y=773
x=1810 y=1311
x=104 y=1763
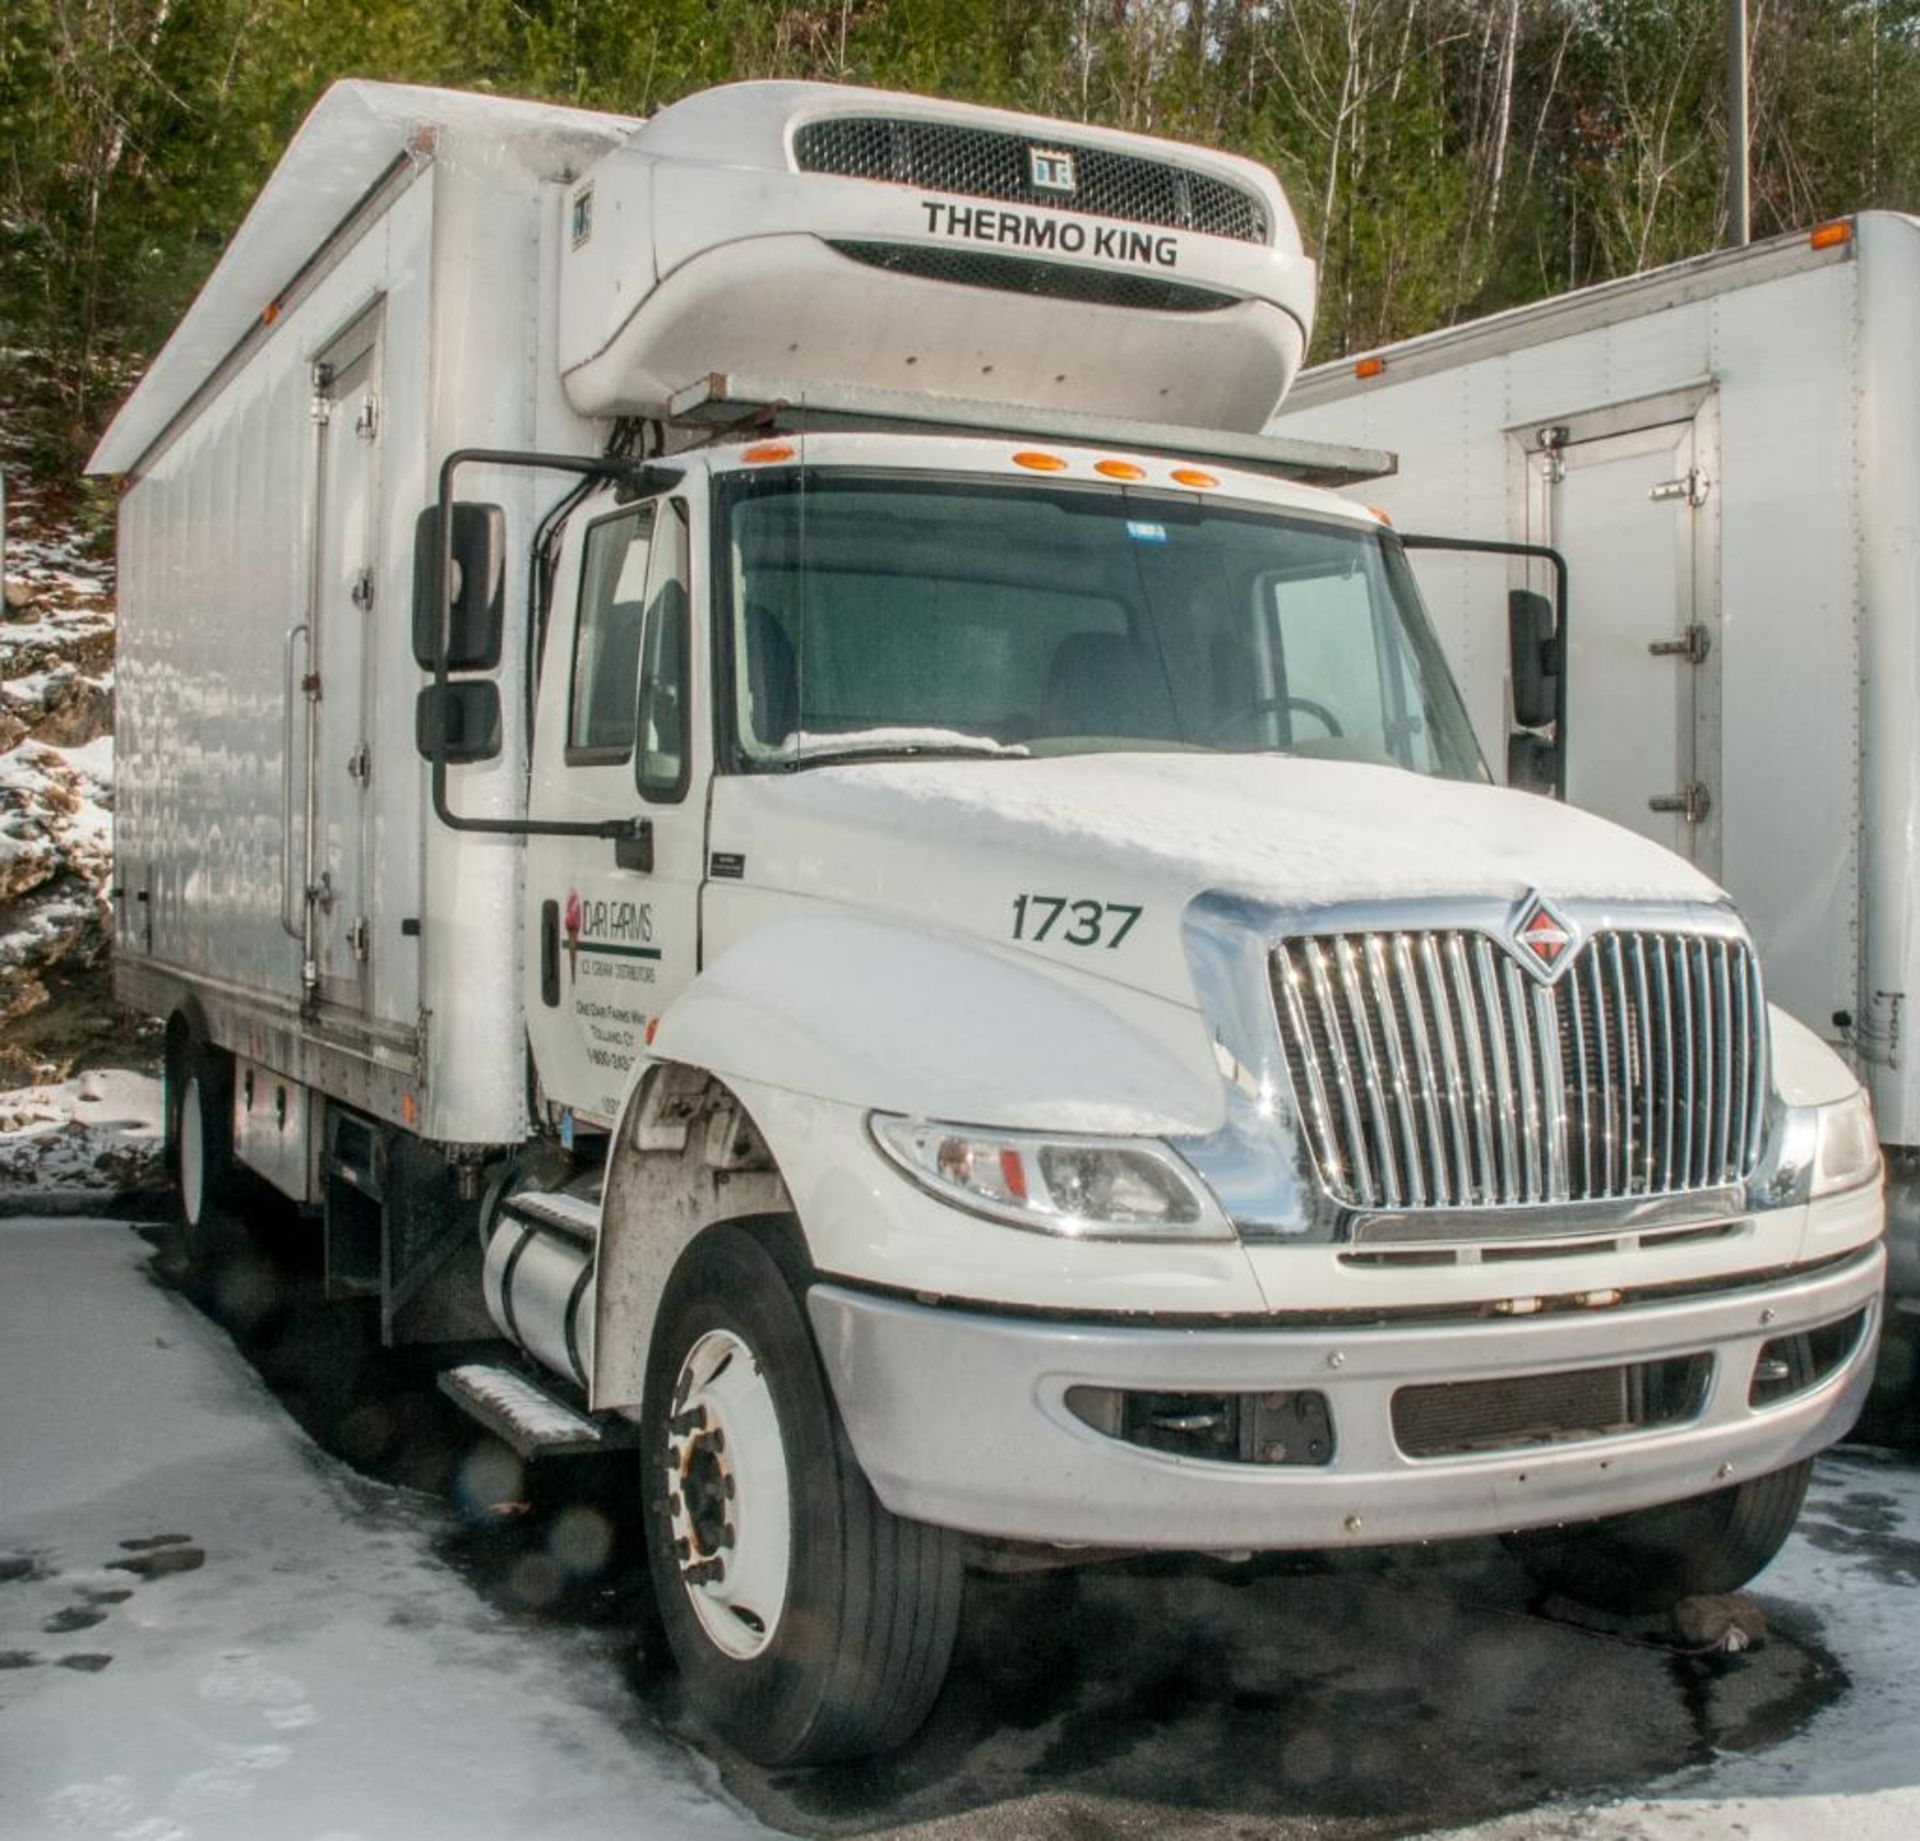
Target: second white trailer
x=1726 y=453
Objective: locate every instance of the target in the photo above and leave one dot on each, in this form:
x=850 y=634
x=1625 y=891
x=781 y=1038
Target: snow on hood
x=1293 y=831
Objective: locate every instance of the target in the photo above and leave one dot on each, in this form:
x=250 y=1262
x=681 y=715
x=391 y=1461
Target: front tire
x=1649 y=1560
x=809 y=1623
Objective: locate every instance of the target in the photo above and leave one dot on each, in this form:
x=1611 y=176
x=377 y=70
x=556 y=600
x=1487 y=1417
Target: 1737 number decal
x=1086 y=923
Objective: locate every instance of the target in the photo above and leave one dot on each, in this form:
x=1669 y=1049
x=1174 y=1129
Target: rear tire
x=1649 y=1560
x=203 y=1162
x=809 y=1623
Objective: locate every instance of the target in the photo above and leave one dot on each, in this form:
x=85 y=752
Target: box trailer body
x=1719 y=451
x=740 y=763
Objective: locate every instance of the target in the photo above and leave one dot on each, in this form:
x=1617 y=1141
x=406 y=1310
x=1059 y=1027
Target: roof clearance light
x=765 y=452
x=1369 y=367
x=1039 y=463
x=1831 y=236
x=1381 y=515
x=1119 y=469
x=1192 y=476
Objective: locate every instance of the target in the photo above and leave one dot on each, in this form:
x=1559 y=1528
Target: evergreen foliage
x=1446 y=157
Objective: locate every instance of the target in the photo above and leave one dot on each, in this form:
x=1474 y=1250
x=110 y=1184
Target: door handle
x=633 y=848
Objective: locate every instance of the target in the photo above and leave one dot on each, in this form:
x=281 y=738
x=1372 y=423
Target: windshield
x=877 y=615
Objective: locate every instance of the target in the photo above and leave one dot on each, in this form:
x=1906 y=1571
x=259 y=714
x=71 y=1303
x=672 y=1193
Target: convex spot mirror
x=477 y=604
x=458 y=721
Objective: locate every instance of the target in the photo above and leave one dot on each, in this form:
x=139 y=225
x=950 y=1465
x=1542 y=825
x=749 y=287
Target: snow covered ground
x=98 y=1131
x=209 y=1631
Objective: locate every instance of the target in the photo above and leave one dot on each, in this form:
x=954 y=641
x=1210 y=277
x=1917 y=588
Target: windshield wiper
x=893 y=745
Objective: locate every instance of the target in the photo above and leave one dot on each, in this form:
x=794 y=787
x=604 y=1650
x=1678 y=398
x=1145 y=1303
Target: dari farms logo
x=1542 y=940
x=606 y=929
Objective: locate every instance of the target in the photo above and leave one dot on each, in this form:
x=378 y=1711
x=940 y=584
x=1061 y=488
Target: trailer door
x=1629 y=509
x=346 y=412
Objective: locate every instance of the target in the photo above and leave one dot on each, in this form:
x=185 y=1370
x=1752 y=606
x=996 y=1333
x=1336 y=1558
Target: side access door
x=339 y=678
x=1627 y=496
x=614 y=925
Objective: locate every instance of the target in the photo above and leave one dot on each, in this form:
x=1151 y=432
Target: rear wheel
x=203 y=1160
x=808 y=1622
x=1651 y=1559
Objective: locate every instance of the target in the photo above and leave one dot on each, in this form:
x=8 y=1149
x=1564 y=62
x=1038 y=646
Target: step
x=572 y=1215
x=521 y=1413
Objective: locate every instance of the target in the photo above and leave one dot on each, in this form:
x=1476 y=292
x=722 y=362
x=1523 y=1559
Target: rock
x=19 y=595
x=1723 y=1623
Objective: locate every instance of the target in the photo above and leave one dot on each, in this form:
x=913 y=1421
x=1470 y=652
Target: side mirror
x=478 y=602
x=1534 y=649
x=458 y=722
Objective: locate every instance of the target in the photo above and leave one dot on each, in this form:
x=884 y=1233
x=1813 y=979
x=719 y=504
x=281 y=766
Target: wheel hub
x=727 y=1494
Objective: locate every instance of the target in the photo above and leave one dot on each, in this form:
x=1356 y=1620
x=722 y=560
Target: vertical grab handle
x=294 y=693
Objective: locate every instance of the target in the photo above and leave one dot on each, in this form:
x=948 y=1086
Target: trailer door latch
x=1693 y=802
x=360 y=764
x=1693 y=645
x=1691 y=486
x=359 y=936
x=362 y=592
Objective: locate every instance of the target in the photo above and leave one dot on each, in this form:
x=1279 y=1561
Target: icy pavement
x=1854 y=1773
x=210 y=1631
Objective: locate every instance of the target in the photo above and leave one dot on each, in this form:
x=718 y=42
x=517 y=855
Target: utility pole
x=1739 y=211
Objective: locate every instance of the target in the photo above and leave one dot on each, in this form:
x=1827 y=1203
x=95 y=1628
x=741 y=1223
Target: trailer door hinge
x=1693 y=802
x=360 y=764
x=1691 y=486
x=1693 y=645
x=359 y=936
x=367 y=423
x=322 y=405
x=362 y=591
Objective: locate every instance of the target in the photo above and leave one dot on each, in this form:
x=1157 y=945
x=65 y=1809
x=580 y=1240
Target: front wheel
x=203 y=1140
x=809 y=1623
x=1652 y=1558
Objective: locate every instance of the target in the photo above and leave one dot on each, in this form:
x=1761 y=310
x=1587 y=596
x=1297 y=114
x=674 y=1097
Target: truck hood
x=957 y=843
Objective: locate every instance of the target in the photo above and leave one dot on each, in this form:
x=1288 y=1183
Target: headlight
x=1846 y=1153
x=1083 y=1188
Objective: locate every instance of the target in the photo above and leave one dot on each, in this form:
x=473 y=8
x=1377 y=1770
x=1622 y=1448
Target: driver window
x=606 y=640
x=1329 y=656
x=664 y=693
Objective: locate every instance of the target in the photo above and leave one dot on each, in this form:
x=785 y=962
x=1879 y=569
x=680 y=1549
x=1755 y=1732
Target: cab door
x=613 y=924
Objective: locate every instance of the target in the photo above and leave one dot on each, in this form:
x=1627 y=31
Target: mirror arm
x=643 y=478
x=1538 y=552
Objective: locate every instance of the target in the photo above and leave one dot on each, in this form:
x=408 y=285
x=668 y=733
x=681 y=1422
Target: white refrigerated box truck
x=1726 y=454
x=737 y=761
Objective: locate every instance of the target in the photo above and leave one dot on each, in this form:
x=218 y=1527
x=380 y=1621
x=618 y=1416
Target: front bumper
x=959 y=1418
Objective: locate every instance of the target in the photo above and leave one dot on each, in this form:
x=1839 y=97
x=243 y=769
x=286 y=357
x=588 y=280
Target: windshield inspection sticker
x=1146 y=533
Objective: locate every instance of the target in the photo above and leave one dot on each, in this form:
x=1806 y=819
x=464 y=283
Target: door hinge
x=367 y=423
x=360 y=936
x=321 y=408
x=360 y=764
x=1692 y=802
x=1553 y=462
x=362 y=591
x=1691 y=486
x=1693 y=645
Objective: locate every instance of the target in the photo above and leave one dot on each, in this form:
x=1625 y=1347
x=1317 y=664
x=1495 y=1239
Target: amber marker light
x=1039 y=463
x=1381 y=515
x=764 y=452
x=1370 y=367
x=1192 y=476
x=1831 y=236
x=1119 y=469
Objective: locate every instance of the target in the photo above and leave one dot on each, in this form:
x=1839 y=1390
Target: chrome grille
x=1431 y=1071
x=987 y=163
